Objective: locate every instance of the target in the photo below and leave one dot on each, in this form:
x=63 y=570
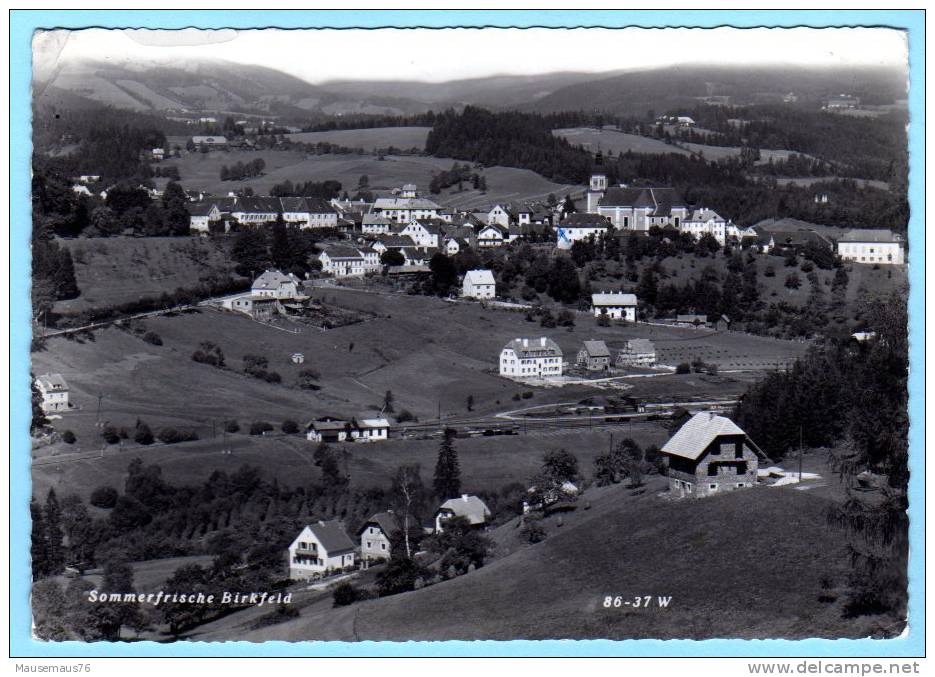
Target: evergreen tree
x=52 y=515
x=38 y=416
x=249 y=250
x=447 y=481
x=39 y=547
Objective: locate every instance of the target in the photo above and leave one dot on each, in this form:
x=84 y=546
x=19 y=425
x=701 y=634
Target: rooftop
x=698 y=432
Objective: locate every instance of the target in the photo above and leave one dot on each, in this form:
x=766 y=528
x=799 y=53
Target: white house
x=256 y=210
x=525 y=358
x=872 y=246
x=376 y=536
x=499 y=215
x=308 y=212
x=320 y=548
x=157 y=154
x=637 y=353
x=579 y=226
x=405 y=209
x=330 y=429
x=492 y=235
x=615 y=305
x=479 y=284
x=422 y=232
x=276 y=284
x=202 y=215
x=473 y=509
x=341 y=260
x=700 y=222
x=261 y=308
x=376 y=224
x=451 y=245
x=54 y=391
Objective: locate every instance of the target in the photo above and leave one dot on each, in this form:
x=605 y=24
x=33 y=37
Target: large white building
x=614 y=305
x=406 y=206
x=579 y=226
x=536 y=358
x=638 y=208
x=872 y=246
x=54 y=391
x=479 y=284
x=320 y=548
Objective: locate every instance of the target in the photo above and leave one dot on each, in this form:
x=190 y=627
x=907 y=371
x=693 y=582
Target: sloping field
x=121 y=269
x=201 y=171
x=611 y=140
x=368 y=139
x=768 y=553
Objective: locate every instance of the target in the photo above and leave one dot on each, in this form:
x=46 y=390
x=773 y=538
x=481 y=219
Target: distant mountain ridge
x=219 y=86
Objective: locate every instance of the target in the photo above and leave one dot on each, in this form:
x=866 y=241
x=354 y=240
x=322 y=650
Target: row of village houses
x=708 y=455
x=418 y=227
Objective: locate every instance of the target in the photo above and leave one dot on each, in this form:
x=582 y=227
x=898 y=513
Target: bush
x=209 y=353
x=603 y=320
x=104 y=497
x=152 y=338
x=110 y=435
x=173 y=436
x=527 y=395
x=260 y=427
x=793 y=281
x=345 y=594
x=770 y=271
x=404 y=416
x=143 y=434
x=532 y=531
x=290 y=427
x=68 y=437
x=231 y=426
x=683 y=368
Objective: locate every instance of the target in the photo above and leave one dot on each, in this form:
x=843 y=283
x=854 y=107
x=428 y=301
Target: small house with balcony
x=710 y=454
x=319 y=549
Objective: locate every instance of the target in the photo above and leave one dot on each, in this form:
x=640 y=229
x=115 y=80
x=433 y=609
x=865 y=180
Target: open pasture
x=369 y=139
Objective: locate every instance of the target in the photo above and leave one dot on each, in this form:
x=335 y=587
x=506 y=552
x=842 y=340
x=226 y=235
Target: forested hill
x=525 y=140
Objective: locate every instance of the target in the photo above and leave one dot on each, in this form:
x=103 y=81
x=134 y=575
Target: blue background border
x=22 y=25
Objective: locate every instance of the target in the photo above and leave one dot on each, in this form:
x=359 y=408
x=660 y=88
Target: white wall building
x=525 y=358
x=479 y=284
x=278 y=285
x=54 y=391
x=405 y=209
x=579 y=226
x=615 y=305
x=872 y=246
x=320 y=548
x=638 y=208
x=376 y=536
x=341 y=260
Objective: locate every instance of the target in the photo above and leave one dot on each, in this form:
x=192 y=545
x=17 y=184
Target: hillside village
x=398 y=393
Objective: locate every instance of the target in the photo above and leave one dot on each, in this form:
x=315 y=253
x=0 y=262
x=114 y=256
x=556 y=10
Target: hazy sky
x=445 y=54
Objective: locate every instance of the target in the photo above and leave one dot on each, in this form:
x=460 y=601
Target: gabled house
x=594 y=356
x=331 y=429
x=278 y=285
x=376 y=536
x=479 y=284
x=320 y=548
x=499 y=215
x=376 y=224
x=637 y=353
x=473 y=509
x=256 y=210
x=424 y=232
x=54 y=391
x=710 y=454
x=492 y=235
x=202 y=215
x=343 y=260
x=579 y=226
x=405 y=209
x=614 y=305
x=260 y=308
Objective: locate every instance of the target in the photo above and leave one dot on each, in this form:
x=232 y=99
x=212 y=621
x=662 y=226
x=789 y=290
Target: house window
x=740 y=485
x=716 y=450
x=738 y=451
x=383 y=546
x=712 y=487
x=712 y=470
x=369 y=544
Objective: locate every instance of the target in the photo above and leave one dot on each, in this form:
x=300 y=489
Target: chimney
x=542 y=341
x=464 y=497
x=525 y=343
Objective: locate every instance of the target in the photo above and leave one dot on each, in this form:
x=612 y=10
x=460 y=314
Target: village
x=419 y=383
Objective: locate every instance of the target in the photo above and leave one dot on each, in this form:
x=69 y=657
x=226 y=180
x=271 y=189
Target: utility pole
x=100 y=398
x=800 y=454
